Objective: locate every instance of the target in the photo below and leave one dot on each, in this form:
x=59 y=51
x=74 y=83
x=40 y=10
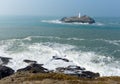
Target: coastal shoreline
x=36 y=74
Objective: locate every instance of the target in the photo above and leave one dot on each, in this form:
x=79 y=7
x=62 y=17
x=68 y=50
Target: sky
x=110 y=8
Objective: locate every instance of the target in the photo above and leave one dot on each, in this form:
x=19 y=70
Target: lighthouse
x=79 y=15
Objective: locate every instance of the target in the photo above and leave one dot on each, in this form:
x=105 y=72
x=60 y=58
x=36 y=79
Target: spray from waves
x=42 y=52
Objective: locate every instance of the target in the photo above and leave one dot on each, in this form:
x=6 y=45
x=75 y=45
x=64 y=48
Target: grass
x=55 y=76
x=73 y=79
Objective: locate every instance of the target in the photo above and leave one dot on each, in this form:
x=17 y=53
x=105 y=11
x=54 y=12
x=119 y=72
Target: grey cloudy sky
x=60 y=7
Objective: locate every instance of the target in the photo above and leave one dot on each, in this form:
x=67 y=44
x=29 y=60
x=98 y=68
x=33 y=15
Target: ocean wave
x=114 y=42
x=42 y=52
x=114 y=23
x=29 y=38
x=99 y=24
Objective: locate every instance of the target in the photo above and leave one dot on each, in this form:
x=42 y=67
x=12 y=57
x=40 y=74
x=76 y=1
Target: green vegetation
x=72 y=79
x=55 y=76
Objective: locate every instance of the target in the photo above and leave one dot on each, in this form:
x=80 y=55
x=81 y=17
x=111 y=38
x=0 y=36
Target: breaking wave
x=113 y=42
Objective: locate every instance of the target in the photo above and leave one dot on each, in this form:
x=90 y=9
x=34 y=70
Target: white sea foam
x=43 y=53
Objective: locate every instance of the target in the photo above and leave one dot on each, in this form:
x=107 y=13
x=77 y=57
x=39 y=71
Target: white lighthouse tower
x=79 y=15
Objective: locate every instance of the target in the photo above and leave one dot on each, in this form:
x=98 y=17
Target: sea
x=96 y=47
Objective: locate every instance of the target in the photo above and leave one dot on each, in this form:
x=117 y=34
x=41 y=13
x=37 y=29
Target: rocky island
x=79 y=19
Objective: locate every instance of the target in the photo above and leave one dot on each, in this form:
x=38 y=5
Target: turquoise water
x=99 y=41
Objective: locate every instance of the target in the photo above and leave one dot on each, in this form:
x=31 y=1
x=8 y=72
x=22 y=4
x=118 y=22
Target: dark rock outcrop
x=4 y=60
x=82 y=19
x=77 y=71
x=30 y=61
x=58 y=58
x=71 y=68
x=89 y=74
x=34 y=68
x=5 y=71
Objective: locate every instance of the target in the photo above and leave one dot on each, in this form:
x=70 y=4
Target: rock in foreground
x=5 y=71
x=82 y=19
x=59 y=58
x=4 y=60
x=34 y=68
x=77 y=71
